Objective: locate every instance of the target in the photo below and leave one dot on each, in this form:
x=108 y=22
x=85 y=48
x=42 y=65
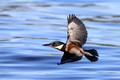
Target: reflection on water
x=26 y=25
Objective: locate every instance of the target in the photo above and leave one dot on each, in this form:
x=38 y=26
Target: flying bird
x=76 y=38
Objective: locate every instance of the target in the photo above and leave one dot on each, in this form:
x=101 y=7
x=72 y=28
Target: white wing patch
x=72 y=25
x=73 y=30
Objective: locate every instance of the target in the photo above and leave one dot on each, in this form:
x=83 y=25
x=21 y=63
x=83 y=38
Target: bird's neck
x=61 y=47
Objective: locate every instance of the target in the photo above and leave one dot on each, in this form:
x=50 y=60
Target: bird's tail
x=91 y=55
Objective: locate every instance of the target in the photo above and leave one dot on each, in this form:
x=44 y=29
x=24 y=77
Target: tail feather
x=92 y=51
x=91 y=58
x=94 y=54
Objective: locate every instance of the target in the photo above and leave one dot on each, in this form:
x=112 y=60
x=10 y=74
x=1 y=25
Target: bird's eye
x=53 y=43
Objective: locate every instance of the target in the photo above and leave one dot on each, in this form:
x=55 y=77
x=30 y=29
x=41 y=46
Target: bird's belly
x=76 y=52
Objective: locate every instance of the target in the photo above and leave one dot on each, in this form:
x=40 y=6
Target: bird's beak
x=46 y=44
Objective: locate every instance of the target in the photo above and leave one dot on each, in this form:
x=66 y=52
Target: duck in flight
x=77 y=36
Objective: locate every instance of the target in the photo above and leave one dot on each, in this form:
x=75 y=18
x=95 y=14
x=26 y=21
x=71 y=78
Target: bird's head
x=56 y=44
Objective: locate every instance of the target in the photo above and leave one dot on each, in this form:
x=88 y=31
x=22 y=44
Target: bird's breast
x=71 y=47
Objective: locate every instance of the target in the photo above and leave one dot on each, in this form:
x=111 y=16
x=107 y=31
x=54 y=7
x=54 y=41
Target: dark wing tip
x=73 y=18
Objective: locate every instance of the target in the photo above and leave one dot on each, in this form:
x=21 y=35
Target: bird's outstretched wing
x=76 y=30
x=67 y=57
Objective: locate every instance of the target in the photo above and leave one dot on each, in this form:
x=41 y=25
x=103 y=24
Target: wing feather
x=76 y=30
x=67 y=57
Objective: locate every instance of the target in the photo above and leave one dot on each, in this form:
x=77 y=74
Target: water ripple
x=26 y=25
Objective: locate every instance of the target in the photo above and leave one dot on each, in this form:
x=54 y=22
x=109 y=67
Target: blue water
x=27 y=24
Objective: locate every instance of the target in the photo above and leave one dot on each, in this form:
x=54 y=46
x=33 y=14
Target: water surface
x=27 y=24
